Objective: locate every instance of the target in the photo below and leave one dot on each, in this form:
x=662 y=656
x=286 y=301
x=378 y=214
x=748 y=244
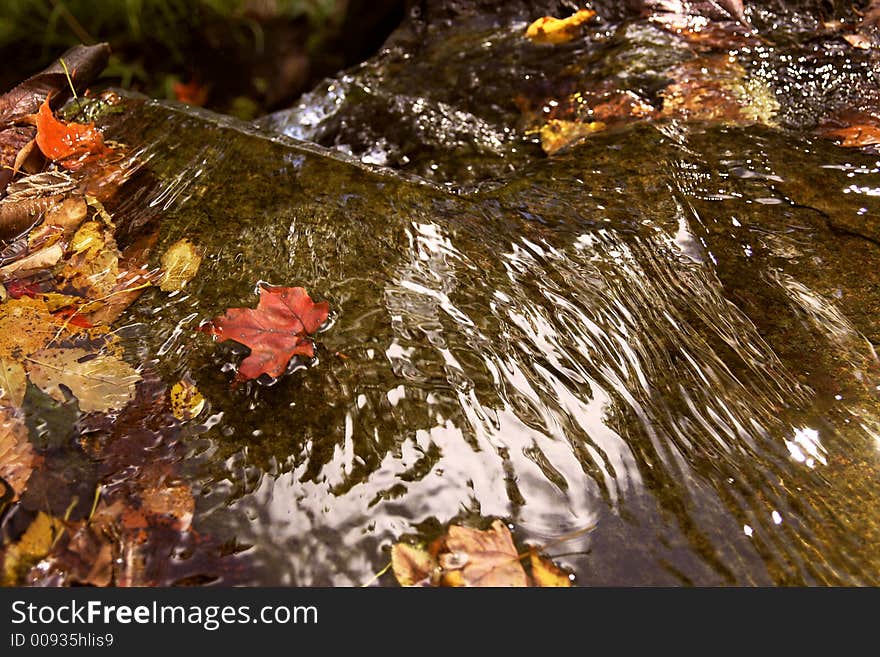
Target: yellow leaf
x=33 y=545
x=546 y=573
x=26 y=325
x=558 y=30
x=100 y=381
x=412 y=566
x=179 y=264
x=557 y=134
x=93 y=267
x=13 y=383
x=89 y=236
x=186 y=400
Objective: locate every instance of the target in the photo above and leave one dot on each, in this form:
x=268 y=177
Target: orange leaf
x=547 y=574
x=191 y=93
x=857 y=135
x=69 y=144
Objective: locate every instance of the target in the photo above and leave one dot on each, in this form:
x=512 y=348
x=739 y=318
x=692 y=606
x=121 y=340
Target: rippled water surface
x=664 y=334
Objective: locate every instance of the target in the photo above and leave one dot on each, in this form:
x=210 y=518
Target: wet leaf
x=276 y=330
x=69 y=144
x=174 y=501
x=93 y=268
x=186 y=400
x=483 y=558
x=857 y=135
x=413 y=566
x=557 y=134
x=547 y=574
x=13 y=383
x=17 y=457
x=551 y=30
x=33 y=262
x=26 y=325
x=180 y=263
x=100 y=381
x=34 y=544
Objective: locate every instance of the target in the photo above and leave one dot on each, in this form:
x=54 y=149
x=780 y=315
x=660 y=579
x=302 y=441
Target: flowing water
x=662 y=336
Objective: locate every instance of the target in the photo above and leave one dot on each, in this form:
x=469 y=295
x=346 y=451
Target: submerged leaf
x=26 y=325
x=558 y=30
x=13 y=383
x=100 y=381
x=412 y=566
x=186 y=400
x=33 y=545
x=483 y=558
x=180 y=263
x=276 y=330
x=17 y=457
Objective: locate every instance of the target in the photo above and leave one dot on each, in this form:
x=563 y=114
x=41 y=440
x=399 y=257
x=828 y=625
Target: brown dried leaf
x=17 y=457
x=100 y=381
x=38 y=260
x=412 y=566
x=483 y=558
x=174 y=501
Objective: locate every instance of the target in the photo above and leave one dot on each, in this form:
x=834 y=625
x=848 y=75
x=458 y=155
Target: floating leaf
x=558 y=30
x=483 y=558
x=179 y=265
x=17 y=457
x=186 y=400
x=547 y=574
x=100 y=381
x=276 y=330
x=69 y=144
x=413 y=566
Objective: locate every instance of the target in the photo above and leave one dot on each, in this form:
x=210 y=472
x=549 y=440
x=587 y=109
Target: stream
x=659 y=340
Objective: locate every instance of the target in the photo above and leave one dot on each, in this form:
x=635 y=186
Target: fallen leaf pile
x=472 y=557
x=108 y=504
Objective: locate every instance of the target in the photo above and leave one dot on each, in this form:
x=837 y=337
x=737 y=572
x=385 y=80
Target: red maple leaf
x=69 y=144
x=276 y=330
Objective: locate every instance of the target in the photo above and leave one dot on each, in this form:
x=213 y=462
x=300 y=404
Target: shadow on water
x=660 y=332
